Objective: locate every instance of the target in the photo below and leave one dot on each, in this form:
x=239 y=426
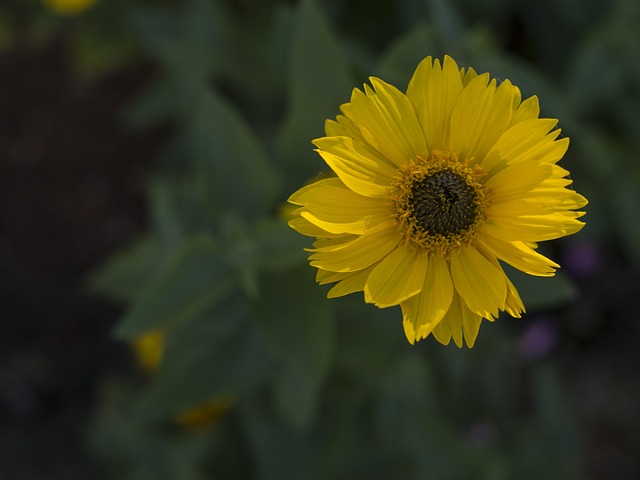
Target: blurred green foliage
x=331 y=389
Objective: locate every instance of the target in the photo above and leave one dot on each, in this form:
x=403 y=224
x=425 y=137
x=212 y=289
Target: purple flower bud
x=582 y=259
x=538 y=339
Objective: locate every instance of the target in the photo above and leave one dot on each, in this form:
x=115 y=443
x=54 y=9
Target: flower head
x=433 y=189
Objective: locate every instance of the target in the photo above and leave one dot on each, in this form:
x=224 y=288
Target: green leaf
x=184 y=39
x=155 y=104
x=192 y=43
x=368 y=338
x=279 y=246
x=482 y=373
x=176 y=209
x=165 y=212
x=297 y=321
x=296 y=398
x=279 y=41
x=545 y=446
x=194 y=280
x=233 y=172
x=220 y=353
x=319 y=82
x=554 y=415
x=124 y=445
x=240 y=252
x=101 y=46
x=155 y=28
x=410 y=425
x=162 y=457
x=298 y=325
x=344 y=441
x=277 y=453
x=125 y=273
x=542 y=293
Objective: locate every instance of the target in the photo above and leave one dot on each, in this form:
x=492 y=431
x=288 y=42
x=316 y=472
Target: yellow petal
x=357 y=227
x=459 y=323
x=528 y=208
x=409 y=331
x=362 y=173
x=328 y=244
x=467 y=75
x=470 y=326
x=513 y=304
x=351 y=283
x=333 y=128
x=345 y=127
x=481 y=115
x=359 y=253
x=350 y=128
x=554 y=152
x=397 y=277
x=325 y=276
x=305 y=227
x=442 y=332
x=479 y=283
x=330 y=205
x=453 y=319
x=433 y=91
x=558 y=198
x=519 y=256
x=331 y=199
x=422 y=313
x=297 y=197
x=517 y=98
x=515 y=181
x=528 y=222
x=527 y=140
x=388 y=122
x=527 y=110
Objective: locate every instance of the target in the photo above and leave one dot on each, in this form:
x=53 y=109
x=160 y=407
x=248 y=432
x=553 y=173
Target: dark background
x=74 y=176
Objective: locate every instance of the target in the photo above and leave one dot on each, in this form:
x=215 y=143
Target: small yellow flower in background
x=208 y=413
x=433 y=188
x=69 y=7
x=149 y=351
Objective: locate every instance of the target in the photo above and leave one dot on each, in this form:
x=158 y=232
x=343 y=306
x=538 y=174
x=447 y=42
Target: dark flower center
x=444 y=203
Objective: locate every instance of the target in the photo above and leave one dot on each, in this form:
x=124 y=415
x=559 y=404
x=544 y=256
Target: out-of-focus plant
x=149 y=351
x=331 y=389
x=69 y=7
x=94 y=33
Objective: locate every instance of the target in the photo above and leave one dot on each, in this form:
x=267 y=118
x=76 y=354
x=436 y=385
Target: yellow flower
x=149 y=350
x=207 y=413
x=434 y=189
x=69 y=7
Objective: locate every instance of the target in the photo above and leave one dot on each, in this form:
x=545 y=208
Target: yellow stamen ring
x=438 y=203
